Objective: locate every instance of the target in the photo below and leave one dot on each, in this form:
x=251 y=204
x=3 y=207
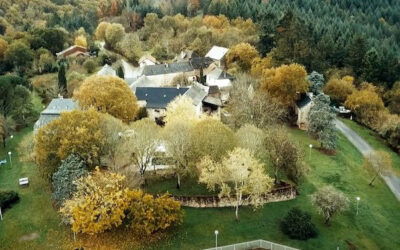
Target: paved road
x=392 y=180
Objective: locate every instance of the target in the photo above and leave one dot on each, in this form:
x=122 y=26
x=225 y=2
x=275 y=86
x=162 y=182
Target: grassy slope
x=374 y=228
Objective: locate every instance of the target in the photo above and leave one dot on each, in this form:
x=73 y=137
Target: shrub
x=7 y=198
x=90 y=65
x=297 y=225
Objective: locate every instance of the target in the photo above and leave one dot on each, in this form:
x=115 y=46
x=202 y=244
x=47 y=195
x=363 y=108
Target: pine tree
x=120 y=72
x=62 y=80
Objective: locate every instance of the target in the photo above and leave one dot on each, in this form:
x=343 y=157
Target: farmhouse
x=217 y=54
x=147 y=60
x=73 y=51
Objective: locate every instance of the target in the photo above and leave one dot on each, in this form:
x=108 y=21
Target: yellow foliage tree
x=108 y=94
x=285 y=83
x=3 y=47
x=81 y=41
x=100 y=32
x=77 y=132
x=339 y=89
x=99 y=203
x=148 y=214
x=216 y=22
x=259 y=64
x=366 y=104
x=238 y=174
x=241 y=56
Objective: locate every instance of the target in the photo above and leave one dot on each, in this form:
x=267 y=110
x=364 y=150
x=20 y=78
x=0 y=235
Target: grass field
x=375 y=227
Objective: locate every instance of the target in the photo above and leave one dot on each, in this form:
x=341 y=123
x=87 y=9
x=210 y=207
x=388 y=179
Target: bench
x=24 y=181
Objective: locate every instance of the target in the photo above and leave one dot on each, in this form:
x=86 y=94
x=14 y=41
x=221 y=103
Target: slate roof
x=142 y=81
x=219 y=74
x=177 y=67
x=303 y=101
x=217 y=53
x=158 y=97
x=197 y=93
x=107 y=70
x=54 y=110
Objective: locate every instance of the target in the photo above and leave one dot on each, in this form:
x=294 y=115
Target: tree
x=90 y=65
x=339 y=89
x=81 y=41
x=259 y=64
x=251 y=138
x=120 y=72
x=212 y=138
x=238 y=174
x=317 y=82
x=23 y=111
x=329 y=202
x=71 y=169
x=108 y=94
x=297 y=225
x=394 y=98
x=99 y=203
x=76 y=132
x=19 y=55
x=285 y=83
x=380 y=162
x=248 y=106
x=371 y=66
x=7 y=126
x=140 y=142
x=366 y=104
x=180 y=118
x=100 y=32
x=284 y=154
x=62 y=80
x=356 y=49
x=241 y=56
x=148 y=214
x=131 y=47
x=322 y=122
x=3 y=47
x=113 y=34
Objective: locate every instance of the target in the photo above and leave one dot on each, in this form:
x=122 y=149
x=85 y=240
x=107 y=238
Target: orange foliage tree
x=241 y=56
x=339 y=89
x=285 y=83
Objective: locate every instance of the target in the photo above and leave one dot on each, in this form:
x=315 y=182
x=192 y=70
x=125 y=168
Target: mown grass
x=375 y=227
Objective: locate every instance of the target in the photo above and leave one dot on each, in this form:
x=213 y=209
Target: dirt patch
x=29 y=237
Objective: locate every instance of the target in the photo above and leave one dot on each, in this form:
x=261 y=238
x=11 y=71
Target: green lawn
x=376 y=226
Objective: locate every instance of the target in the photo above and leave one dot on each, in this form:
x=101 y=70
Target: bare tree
x=380 y=162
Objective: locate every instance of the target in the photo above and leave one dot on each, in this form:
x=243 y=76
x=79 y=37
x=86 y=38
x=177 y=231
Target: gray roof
x=197 y=93
x=217 y=53
x=142 y=81
x=54 y=110
x=107 y=70
x=219 y=74
x=213 y=100
x=177 y=67
x=158 y=97
x=303 y=101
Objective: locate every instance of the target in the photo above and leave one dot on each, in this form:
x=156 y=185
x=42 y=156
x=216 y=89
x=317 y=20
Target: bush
x=7 y=198
x=297 y=225
x=90 y=65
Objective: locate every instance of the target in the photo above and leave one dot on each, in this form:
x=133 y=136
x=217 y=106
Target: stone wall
x=285 y=193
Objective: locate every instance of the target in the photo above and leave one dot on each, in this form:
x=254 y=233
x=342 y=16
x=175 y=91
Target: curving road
x=392 y=180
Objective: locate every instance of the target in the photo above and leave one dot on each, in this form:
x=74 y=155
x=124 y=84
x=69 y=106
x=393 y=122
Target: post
x=309 y=157
x=74 y=237
x=1 y=215
x=216 y=239
x=9 y=155
x=358 y=200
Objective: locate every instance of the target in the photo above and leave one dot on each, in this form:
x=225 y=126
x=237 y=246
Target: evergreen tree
x=356 y=52
x=371 y=66
x=120 y=72
x=317 y=82
x=62 y=80
x=267 y=23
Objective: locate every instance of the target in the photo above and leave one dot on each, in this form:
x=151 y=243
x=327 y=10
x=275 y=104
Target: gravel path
x=392 y=180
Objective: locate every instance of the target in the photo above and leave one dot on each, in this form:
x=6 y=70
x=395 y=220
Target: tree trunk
x=178 y=183
x=372 y=181
x=238 y=199
x=4 y=142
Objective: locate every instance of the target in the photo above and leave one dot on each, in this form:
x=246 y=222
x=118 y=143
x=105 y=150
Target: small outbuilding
x=302 y=109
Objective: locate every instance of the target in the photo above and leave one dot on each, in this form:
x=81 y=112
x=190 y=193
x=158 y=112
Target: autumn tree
x=108 y=94
x=239 y=174
x=99 y=203
x=148 y=214
x=259 y=64
x=241 y=56
x=3 y=47
x=366 y=104
x=322 y=122
x=100 y=32
x=285 y=83
x=71 y=169
x=329 y=202
x=76 y=132
x=247 y=105
x=252 y=138
x=140 y=142
x=284 y=154
x=380 y=162
x=212 y=138
x=339 y=89
x=180 y=118
x=394 y=98
x=113 y=34
x=131 y=47
x=81 y=41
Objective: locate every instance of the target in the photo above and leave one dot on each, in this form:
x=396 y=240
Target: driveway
x=392 y=180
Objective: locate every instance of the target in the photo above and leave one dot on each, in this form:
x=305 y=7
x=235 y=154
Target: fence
x=256 y=244
x=284 y=193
